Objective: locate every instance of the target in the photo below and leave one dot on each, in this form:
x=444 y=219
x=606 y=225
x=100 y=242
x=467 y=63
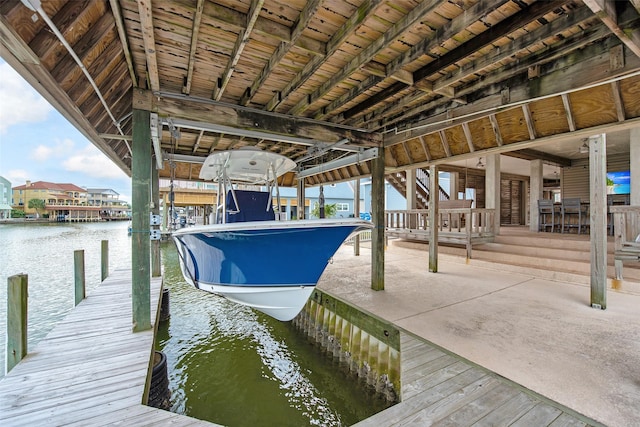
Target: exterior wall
x=5 y=198
x=575 y=179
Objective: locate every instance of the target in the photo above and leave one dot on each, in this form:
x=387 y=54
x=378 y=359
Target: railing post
x=78 y=274
x=16 y=319
x=104 y=260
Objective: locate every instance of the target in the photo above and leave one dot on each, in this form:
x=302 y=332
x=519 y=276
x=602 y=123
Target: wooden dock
x=442 y=389
x=91 y=369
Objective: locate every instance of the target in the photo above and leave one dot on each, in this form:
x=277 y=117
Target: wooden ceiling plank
x=606 y=11
x=122 y=34
x=349 y=27
x=241 y=42
x=148 y=39
x=282 y=49
x=507 y=26
x=195 y=32
x=567 y=109
x=366 y=55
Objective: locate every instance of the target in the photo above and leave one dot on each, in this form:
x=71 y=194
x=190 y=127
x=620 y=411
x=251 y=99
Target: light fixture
x=584 y=148
x=480 y=165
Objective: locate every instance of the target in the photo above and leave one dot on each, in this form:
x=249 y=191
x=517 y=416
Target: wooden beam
x=425 y=148
x=241 y=42
x=406 y=151
x=366 y=55
x=531 y=154
x=608 y=14
x=282 y=49
x=567 y=109
x=198 y=141
x=349 y=27
x=124 y=41
x=149 y=42
x=195 y=32
x=445 y=143
x=227 y=115
x=529 y=120
x=468 y=137
x=496 y=129
x=617 y=99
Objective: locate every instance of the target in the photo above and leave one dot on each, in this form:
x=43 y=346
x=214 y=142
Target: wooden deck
x=441 y=389
x=91 y=369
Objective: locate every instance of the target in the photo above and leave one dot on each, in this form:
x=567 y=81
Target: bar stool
x=571 y=209
x=546 y=214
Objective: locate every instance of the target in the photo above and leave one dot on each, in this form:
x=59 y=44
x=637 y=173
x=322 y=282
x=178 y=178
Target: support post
x=411 y=196
x=155 y=210
x=597 y=220
x=104 y=260
x=377 y=216
x=634 y=163
x=140 y=242
x=356 y=214
x=79 y=276
x=17 y=287
x=535 y=193
x=301 y=199
x=492 y=189
x=433 y=218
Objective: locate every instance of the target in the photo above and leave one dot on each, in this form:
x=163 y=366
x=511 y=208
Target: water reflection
x=238 y=367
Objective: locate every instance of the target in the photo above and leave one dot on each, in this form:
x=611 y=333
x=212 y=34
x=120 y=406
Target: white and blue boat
x=248 y=256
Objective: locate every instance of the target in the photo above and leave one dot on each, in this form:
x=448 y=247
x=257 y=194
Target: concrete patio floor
x=539 y=333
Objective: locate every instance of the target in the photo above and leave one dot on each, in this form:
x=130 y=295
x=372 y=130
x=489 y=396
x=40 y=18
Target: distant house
x=63 y=202
x=111 y=207
x=5 y=198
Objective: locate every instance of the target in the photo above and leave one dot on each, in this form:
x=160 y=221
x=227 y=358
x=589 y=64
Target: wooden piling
x=79 y=276
x=363 y=345
x=104 y=260
x=17 y=287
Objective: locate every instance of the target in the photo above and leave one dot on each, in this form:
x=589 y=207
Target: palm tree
x=36 y=204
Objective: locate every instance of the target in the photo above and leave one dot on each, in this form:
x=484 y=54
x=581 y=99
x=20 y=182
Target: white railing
x=457 y=225
x=626 y=229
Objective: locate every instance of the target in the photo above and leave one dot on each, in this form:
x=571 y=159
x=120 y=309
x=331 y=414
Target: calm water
x=227 y=363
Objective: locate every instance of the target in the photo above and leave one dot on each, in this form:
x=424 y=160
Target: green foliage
x=329 y=210
x=15 y=213
x=37 y=204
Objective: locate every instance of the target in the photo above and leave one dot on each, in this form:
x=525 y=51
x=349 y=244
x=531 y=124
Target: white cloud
x=17 y=176
x=93 y=163
x=20 y=102
x=61 y=148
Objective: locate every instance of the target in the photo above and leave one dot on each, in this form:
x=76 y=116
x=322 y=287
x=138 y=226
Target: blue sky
x=38 y=144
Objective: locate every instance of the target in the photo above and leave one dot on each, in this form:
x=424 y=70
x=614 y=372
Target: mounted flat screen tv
x=619 y=182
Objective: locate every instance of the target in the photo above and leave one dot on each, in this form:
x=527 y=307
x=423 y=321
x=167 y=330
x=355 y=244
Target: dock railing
x=460 y=226
x=626 y=229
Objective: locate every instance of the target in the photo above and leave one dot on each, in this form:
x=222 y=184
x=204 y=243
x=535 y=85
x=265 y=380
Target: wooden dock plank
x=91 y=369
x=442 y=389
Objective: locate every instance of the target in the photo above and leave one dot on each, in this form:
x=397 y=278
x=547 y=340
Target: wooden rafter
x=195 y=31
x=496 y=129
x=198 y=141
x=445 y=143
x=468 y=137
x=282 y=49
x=617 y=99
x=425 y=148
x=122 y=35
x=607 y=12
x=566 y=102
x=148 y=39
x=352 y=24
x=241 y=42
x=367 y=54
x=526 y=111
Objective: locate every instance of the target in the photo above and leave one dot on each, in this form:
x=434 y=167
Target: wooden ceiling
x=326 y=82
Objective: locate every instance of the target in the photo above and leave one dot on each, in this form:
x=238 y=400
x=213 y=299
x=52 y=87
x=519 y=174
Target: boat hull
x=271 y=266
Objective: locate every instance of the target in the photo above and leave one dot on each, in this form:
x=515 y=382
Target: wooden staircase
x=553 y=256
x=399 y=181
